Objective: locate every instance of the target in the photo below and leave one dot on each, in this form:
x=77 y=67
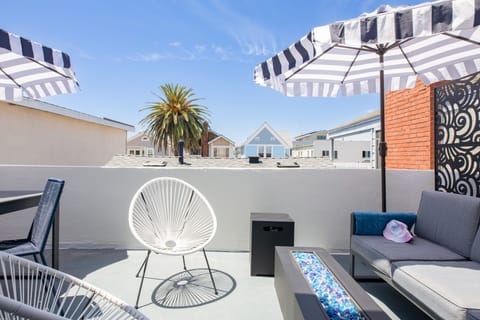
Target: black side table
x=268 y=230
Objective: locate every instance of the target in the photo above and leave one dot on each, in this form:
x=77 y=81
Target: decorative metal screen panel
x=457 y=139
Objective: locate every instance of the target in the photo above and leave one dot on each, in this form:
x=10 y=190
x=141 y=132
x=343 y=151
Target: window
x=221 y=152
x=365 y=154
x=269 y=151
x=145 y=138
x=264 y=151
x=137 y=152
x=150 y=152
x=325 y=153
x=335 y=154
x=132 y=152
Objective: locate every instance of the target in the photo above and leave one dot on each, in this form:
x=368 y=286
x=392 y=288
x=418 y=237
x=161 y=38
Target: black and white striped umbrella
x=381 y=51
x=30 y=69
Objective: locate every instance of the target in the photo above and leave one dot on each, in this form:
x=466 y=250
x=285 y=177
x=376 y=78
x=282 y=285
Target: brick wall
x=409 y=128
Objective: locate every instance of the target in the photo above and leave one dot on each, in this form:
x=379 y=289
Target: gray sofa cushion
x=448 y=288
x=473 y=315
x=380 y=252
x=475 y=253
x=448 y=219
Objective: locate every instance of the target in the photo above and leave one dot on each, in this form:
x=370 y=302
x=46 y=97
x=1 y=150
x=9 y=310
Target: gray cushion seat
x=450 y=288
x=473 y=315
x=381 y=253
x=440 y=268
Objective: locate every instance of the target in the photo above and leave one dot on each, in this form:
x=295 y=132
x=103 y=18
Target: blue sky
x=122 y=51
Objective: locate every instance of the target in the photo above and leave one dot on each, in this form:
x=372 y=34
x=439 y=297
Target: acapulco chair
x=169 y=216
x=30 y=290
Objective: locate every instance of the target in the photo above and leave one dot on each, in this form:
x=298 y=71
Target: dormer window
x=145 y=138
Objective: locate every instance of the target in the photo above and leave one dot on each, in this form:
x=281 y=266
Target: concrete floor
x=252 y=297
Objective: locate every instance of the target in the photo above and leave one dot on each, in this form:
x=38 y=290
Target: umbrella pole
x=382 y=147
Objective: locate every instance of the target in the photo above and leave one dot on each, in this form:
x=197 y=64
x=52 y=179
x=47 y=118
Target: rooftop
x=127 y=161
x=94 y=215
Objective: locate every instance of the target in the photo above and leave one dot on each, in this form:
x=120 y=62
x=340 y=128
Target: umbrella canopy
x=30 y=69
x=384 y=50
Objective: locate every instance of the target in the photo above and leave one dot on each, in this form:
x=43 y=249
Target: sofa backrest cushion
x=448 y=219
x=475 y=253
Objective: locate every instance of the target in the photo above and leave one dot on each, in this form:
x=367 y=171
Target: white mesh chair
x=29 y=290
x=170 y=216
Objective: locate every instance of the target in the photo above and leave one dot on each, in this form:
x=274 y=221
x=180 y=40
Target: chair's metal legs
x=140 y=269
x=42 y=257
x=210 y=271
x=185 y=267
x=144 y=265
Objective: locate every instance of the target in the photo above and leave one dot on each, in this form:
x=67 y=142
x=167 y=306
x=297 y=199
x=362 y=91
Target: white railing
x=95 y=201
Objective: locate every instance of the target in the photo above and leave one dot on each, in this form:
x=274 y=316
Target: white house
x=141 y=145
x=221 y=147
x=355 y=141
x=303 y=144
x=34 y=132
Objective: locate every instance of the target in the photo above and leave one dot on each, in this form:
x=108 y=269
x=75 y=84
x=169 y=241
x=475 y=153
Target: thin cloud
x=148 y=57
x=251 y=38
x=200 y=48
x=179 y=52
x=255 y=47
x=221 y=52
x=84 y=55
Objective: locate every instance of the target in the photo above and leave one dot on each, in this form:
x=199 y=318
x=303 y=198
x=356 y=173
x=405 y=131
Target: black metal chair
x=36 y=240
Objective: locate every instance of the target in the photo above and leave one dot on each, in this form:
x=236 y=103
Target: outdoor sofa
x=439 y=270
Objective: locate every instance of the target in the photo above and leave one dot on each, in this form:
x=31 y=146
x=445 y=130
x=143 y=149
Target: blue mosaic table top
x=333 y=297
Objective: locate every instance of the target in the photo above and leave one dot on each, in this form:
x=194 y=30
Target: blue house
x=266 y=143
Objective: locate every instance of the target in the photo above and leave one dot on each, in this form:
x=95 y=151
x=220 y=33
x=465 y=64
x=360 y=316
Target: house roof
x=311 y=134
x=362 y=124
x=265 y=125
x=136 y=135
x=360 y=120
x=52 y=108
x=221 y=137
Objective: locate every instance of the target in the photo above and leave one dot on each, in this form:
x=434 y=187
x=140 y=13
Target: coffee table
x=311 y=284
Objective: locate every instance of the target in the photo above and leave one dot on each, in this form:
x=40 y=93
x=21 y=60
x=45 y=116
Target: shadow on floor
x=80 y=263
x=192 y=288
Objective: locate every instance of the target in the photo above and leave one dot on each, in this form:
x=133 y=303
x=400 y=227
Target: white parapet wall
x=94 y=205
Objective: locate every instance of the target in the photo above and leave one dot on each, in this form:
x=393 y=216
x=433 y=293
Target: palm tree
x=175 y=117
